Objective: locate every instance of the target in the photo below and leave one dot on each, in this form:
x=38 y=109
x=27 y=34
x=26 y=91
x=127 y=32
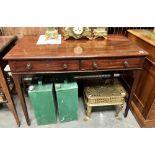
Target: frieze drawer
x=97 y=64
x=52 y=65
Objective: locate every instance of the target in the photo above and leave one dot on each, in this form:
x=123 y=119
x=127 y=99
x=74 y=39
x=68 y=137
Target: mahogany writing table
x=116 y=53
x=6 y=42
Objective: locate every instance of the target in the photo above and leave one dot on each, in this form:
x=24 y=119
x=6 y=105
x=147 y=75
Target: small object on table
x=77 y=32
x=104 y=95
x=43 y=41
x=100 y=32
x=51 y=33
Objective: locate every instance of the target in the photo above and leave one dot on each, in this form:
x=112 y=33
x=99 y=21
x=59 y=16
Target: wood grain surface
x=144 y=97
x=114 y=46
x=6 y=43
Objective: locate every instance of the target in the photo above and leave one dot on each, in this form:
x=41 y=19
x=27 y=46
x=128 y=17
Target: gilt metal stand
x=105 y=94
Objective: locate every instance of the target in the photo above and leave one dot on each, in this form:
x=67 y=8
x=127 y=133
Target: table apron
x=84 y=65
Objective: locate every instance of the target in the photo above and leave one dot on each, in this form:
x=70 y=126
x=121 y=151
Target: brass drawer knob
x=94 y=65
x=29 y=66
x=65 y=67
x=126 y=63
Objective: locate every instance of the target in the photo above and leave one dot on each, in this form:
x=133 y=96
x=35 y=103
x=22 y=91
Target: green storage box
x=67 y=99
x=41 y=98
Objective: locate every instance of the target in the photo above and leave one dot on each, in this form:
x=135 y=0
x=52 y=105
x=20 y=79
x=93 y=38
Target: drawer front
x=111 y=63
x=55 y=65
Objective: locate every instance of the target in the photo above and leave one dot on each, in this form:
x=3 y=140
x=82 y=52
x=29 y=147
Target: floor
x=101 y=118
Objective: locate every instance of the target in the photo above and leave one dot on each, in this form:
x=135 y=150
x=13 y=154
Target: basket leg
x=88 y=113
x=118 y=110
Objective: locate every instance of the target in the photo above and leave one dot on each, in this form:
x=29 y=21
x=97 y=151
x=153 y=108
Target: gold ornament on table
x=51 y=33
x=78 y=50
x=77 y=32
x=100 y=32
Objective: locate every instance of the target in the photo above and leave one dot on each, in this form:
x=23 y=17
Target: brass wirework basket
x=107 y=94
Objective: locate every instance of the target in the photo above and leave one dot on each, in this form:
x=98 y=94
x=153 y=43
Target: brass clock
x=51 y=33
x=100 y=32
x=77 y=32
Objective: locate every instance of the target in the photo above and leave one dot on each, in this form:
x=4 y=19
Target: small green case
x=67 y=99
x=42 y=100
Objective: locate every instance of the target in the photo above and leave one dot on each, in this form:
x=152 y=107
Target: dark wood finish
x=143 y=106
x=144 y=42
x=115 y=53
x=114 y=46
x=75 y=65
x=59 y=65
x=6 y=42
x=17 y=81
x=111 y=63
x=136 y=75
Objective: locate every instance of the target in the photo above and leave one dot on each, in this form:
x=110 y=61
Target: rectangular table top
x=114 y=46
x=4 y=42
x=146 y=35
x=146 y=40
